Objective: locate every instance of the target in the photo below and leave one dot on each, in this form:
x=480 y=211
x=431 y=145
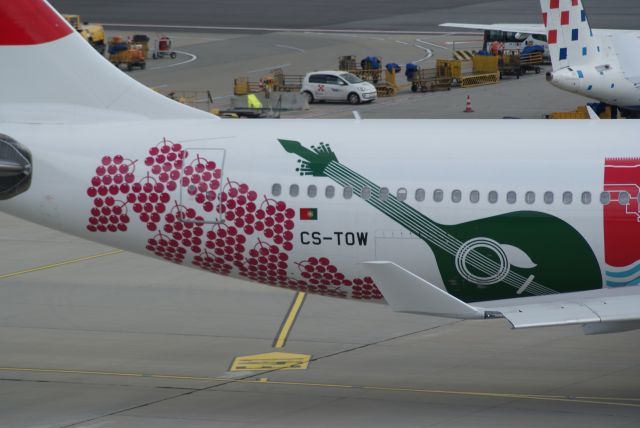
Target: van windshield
x=351 y=78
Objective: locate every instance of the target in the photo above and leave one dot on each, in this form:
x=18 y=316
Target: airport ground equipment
x=369 y=68
x=202 y=100
x=509 y=63
x=163 y=48
x=286 y=82
x=479 y=74
x=514 y=63
x=532 y=62
x=243 y=86
x=123 y=53
x=92 y=33
x=141 y=41
x=427 y=79
x=603 y=111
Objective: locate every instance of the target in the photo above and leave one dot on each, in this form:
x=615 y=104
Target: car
x=337 y=86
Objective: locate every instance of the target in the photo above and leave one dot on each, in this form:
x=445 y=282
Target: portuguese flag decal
x=308 y=213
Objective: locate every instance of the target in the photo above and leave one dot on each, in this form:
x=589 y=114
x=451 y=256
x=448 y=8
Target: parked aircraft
x=411 y=213
x=599 y=64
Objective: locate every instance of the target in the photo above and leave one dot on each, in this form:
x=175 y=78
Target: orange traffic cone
x=469 y=109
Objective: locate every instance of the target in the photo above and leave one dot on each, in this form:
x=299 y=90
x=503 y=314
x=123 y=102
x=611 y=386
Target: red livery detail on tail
x=30 y=22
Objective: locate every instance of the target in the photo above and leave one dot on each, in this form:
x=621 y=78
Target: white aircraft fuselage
x=536 y=221
x=111 y=183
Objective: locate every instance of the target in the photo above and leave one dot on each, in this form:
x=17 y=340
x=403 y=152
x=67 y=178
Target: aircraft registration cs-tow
x=428 y=216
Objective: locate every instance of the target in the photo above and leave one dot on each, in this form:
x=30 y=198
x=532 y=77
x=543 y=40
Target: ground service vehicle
x=92 y=33
x=337 y=86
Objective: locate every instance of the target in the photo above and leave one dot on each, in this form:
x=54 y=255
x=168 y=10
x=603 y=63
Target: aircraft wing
x=514 y=28
x=599 y=311
x=528 y=28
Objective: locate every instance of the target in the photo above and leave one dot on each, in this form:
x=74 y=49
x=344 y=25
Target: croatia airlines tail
x=412 y=214
x=600 y=64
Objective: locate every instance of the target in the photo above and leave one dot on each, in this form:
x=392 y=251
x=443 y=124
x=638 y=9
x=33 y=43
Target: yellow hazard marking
x=62 y=263
x=289 y=320
x=270 y=361
x=605 y=401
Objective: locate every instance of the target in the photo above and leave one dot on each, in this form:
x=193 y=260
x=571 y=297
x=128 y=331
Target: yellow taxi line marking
x=62 y=263
x=289 y=320
x=606 y=401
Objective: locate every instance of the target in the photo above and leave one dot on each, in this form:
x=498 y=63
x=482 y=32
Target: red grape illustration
x=112 y=180
x=252 y=236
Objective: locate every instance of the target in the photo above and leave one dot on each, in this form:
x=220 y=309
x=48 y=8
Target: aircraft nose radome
x=30 y=22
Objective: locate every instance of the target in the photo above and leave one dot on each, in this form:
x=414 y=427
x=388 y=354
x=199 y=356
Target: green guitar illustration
x=518 y=254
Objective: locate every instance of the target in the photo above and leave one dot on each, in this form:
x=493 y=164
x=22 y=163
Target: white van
x=337 y=86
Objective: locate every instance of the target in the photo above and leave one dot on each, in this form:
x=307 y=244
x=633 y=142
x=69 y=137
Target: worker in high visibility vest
x=253 y=101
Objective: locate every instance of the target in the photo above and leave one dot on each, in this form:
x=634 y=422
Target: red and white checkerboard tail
x=571 y=41
x=48 y=67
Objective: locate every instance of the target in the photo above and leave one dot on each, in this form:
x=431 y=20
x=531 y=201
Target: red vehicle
x=163 y=48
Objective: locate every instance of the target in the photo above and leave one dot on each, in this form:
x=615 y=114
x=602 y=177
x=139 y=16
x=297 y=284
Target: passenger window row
x=456 y=196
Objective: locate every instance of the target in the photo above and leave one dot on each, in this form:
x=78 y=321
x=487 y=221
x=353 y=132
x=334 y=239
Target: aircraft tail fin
x=48 y=67
x=571 y=40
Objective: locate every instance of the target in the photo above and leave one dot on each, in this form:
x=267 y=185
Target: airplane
x=599 y=64
x=434 y=217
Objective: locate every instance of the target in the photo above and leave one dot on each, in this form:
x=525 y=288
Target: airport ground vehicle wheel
x=308 y=96
x=414 y=88
x=173 y=55
x=353 y=98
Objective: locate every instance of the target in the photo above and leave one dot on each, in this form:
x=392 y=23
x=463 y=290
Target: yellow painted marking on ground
x=270 y=361
x=289 y=320
x=605 y=401
x=62 y=263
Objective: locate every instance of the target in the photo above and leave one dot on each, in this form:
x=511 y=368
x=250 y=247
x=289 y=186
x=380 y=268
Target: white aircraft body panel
x=440 y=217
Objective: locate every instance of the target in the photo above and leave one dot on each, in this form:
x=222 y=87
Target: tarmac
x=93 y=337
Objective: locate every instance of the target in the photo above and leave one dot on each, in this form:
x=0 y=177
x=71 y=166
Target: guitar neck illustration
x=320 y=161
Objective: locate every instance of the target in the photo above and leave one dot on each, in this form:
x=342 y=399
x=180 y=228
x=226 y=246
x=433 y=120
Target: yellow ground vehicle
x=128 y=54
x=92 y=33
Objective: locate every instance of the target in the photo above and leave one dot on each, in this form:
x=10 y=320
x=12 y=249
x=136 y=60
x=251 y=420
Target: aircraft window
x=276 y=189
x=474 y=196
x=384 y=194
x=312 y=191
x=294 y=190
x=347 y=193
x=456 y=196
x=567 y=198
x=624 y=198
x=330 y=192
x=402 y=194
x=512 y=197
x=420 y=195
x=530 y=197
x=438 y=195
x=586 y=198
x=493 y=197
x=605 y=198
x=365 y=193
x=548 y=198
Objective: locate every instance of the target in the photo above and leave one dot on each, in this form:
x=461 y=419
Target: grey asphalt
x=406 y=15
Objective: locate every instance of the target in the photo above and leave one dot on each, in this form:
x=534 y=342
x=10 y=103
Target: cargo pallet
x=286 y=82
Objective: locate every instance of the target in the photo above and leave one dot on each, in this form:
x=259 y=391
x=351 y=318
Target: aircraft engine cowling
x=15 y=168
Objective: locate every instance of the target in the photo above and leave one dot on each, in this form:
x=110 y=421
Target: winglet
x=407 y=292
